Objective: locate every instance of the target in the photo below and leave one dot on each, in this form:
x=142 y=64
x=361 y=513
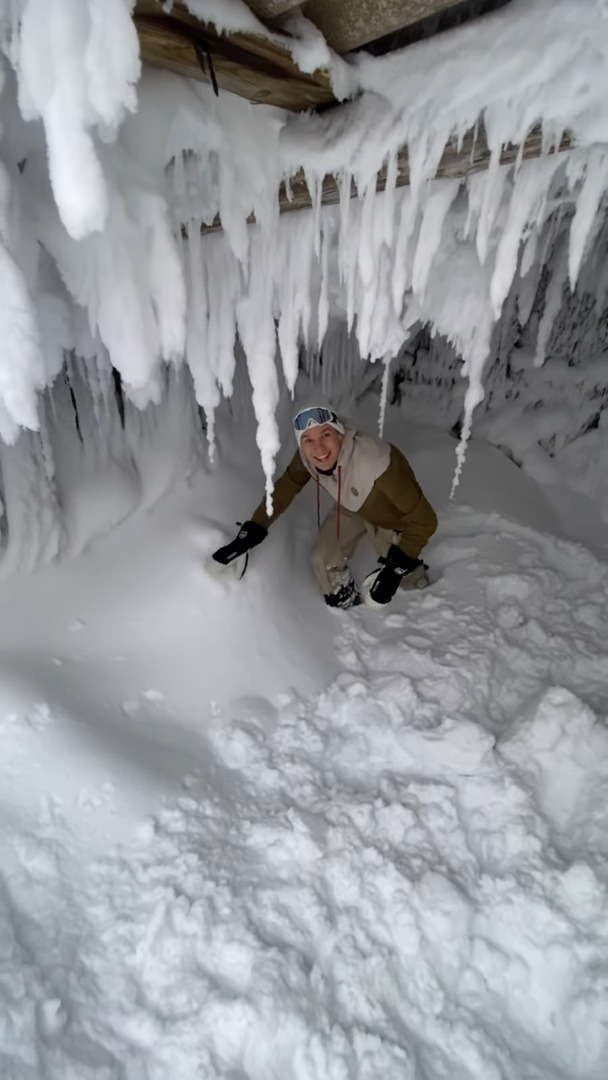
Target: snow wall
x=114 y=291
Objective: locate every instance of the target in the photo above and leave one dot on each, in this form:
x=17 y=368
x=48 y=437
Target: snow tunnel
x=245 y=834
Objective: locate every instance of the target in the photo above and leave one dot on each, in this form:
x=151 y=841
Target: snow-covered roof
x=282 y=52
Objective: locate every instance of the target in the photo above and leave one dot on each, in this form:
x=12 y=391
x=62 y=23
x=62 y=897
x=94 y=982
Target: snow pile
x=381 y=846
x=446 y=253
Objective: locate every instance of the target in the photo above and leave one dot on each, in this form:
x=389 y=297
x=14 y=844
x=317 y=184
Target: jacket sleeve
x=288 y=485
x=415 y=518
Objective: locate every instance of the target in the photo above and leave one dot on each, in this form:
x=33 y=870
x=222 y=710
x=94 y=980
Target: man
x=375 y=494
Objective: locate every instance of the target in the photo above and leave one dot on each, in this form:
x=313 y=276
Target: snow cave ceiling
x=451 y=183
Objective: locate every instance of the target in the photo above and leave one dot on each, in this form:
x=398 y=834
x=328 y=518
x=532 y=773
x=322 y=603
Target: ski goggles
x=313 y=417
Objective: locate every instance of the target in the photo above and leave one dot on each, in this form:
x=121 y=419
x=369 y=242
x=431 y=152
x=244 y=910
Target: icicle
x=429 y=238
x=553 y=302
x=315 y=188
x=473 y=397
x=425 y=151
x=323 y=308
x=384 y=392
x=367 y=266
x=351 y=250
x=388 y=216
x=527 y=199
x=257 y=333
x=197 y=351
x=344 y=182
x=401 y=258
x=491 y=185
x=528 y=257
x=293 y=292
x=587 y=204
x=22 y=369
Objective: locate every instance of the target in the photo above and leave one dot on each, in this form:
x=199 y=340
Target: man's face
x=321 y=445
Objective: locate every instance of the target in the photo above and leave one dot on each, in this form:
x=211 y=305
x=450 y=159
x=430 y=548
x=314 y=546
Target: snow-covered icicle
x=258 y=337
x=315 y=188
x=384 y=392
x=370 y=241
x=439 y=201
x=474 y=394
x=348 y=243
x=401 y=255
x=553 y=302
x=293 y=267
x=541 y=241
x=223 y=285
x=21 y=361
x=425 y=150
x=388 y=215
x=587 y=205
x=526 y=205
x=323 y=307
x=197 y=337
x=492 y=186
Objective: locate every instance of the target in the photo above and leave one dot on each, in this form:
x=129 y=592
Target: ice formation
x=108 y=179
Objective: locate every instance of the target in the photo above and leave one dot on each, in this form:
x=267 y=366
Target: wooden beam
x=457 y=163
x=254 y=67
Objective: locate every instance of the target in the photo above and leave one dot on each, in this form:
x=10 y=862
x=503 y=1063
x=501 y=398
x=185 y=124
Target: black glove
x=395 y=565
x=250 y=535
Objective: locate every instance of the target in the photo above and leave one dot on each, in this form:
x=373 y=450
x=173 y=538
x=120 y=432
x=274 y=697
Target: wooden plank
x=251 y=66
x=472 y=157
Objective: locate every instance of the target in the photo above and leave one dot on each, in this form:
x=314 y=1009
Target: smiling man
x=375 y=494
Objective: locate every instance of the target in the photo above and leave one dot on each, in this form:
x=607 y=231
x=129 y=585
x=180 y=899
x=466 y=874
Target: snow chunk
x=563 y=750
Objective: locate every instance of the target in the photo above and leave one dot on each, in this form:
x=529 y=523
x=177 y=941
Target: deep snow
x=244 y=836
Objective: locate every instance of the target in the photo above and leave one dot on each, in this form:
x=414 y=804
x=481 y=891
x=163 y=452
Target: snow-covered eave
x=459 y=160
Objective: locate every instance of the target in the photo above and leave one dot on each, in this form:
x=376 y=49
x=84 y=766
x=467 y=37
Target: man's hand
x=381 y=585
x=235 y=555
x=249 y=536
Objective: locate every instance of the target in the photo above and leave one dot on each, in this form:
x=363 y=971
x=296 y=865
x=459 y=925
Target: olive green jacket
x=374 y=480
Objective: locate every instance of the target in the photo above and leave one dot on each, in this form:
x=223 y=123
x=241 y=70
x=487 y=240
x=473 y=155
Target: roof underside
x=260 y=67
x=257 y=64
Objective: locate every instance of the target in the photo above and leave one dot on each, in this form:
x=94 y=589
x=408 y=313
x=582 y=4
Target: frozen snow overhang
x=256 y=61
x=473 y=155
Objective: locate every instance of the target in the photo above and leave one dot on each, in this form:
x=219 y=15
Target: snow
x=242 y=841
x=77 y=64
x=242 y=835
x=298 y=36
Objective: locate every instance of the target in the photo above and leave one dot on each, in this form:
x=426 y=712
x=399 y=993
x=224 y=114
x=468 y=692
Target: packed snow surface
x=246 y=836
